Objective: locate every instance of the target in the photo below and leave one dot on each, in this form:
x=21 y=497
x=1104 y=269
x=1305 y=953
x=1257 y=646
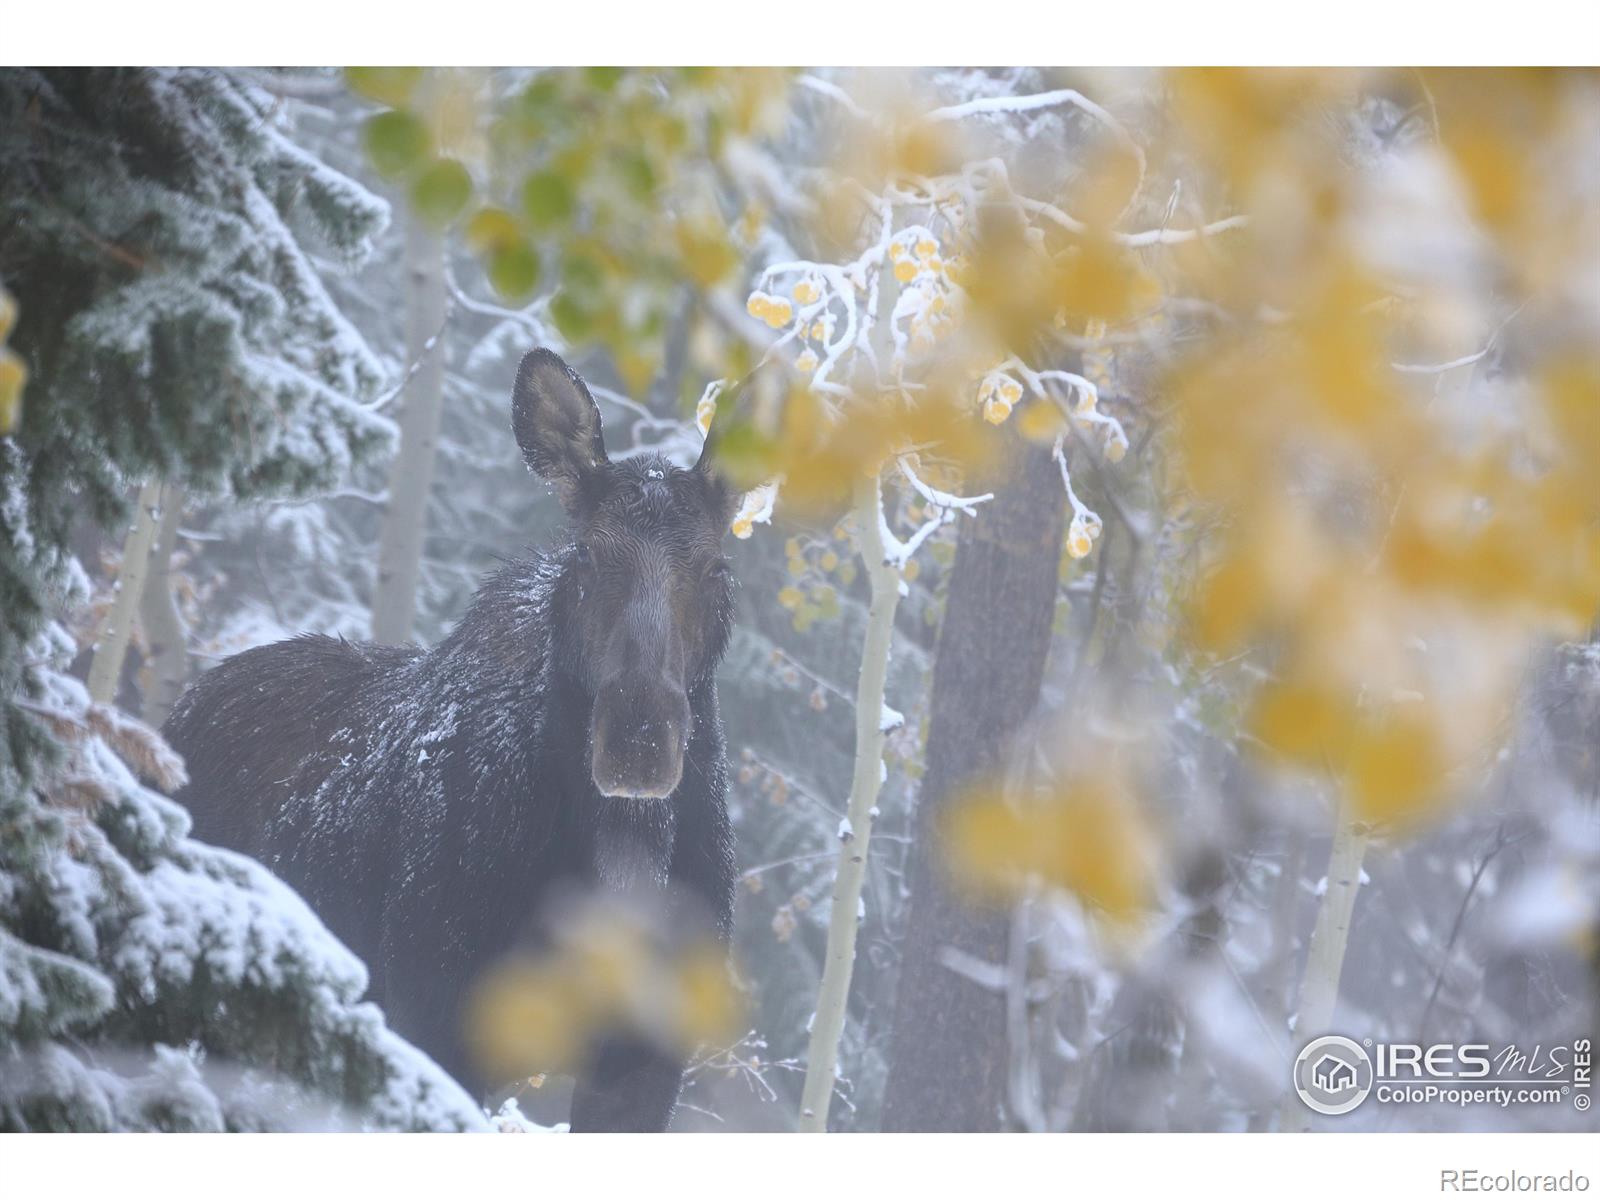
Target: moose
x=434 y=806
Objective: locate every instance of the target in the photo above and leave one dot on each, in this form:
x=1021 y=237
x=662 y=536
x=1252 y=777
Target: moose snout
x=640 y=727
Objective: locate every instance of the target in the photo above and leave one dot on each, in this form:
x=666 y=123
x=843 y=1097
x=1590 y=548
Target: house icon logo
x=1332 y=1075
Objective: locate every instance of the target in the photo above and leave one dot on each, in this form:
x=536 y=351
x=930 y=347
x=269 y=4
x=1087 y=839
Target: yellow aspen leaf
x=1041 y=422
x=1305 y=721
x=525 y=1017
x=492 y=229
x=1492 y=168
x=708 y=1008
x=1572 y=399
x=778 y=312
x=996 y=409
x=1086 y=839
x=638 y=369
x=704 y=413
x=1100 y=281
x=1397 y=771
x=705 y=251
x=13 y=377
x=1228 y=605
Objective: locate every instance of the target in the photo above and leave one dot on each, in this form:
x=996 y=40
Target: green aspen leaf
x=574 y=318
x=637 y=175
x=514 y=132
x=747 y=457
x=672 y=134
x=541 y=99
x=603 y=78
x=583 y=275
x=397 y=141
x=440 y=193
x=492 y=229
x=547 y=199
x=387 y=85
x=514 y=270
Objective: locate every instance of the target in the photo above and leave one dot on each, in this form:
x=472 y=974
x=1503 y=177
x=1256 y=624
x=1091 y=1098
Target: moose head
x=648 y=597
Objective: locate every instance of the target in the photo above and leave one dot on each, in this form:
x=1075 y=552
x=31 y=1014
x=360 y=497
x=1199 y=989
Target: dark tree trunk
x=947 y=1056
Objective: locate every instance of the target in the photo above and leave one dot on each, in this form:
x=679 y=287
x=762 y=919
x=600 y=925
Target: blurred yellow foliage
x=1358 y=515
x=1087 y=838
x=819 y=453
x=608 y=972
x=13 y=371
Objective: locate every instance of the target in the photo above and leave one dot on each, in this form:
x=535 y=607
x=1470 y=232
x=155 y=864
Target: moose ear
x=724 y=497
x=557 y=423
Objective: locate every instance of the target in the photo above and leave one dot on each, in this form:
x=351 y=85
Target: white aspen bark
x=167 y=668
x=394 y=603
x=111 y=645
x=1277 y=990
x=1319 y=989
x=833 y=993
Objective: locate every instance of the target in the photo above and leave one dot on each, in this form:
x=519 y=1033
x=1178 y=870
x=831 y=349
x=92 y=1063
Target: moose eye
x=718 y=570
x=582 y=556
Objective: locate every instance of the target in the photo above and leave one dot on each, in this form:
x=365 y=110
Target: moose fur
x=435 y=807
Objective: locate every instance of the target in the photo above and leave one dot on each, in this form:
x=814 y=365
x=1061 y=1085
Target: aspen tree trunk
x=166 y=641
x=1278 y=986
x=111 y=645
x=833 y=994
x=394 y=604
x=1319 y=989
x=948 y=1052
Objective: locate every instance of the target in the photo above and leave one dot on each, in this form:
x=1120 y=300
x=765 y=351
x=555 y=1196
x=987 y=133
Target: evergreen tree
x=157 y=230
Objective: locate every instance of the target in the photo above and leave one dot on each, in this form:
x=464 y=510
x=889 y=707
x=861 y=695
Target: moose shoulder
x=434 y=806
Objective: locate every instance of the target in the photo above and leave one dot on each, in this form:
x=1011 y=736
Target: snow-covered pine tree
x=156 y=229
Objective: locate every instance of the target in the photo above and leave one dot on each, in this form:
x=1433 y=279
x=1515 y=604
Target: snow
x=1548 y=907
x=145 y=922
x=510 y=1119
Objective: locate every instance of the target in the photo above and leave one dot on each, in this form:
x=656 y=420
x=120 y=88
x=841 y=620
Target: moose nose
x=639 y=730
